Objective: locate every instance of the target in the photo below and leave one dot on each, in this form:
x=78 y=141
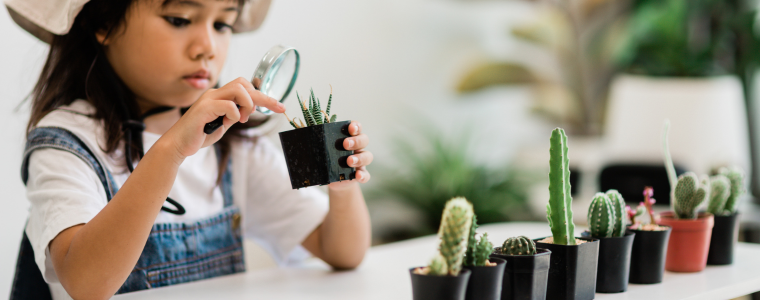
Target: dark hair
x=77 y=68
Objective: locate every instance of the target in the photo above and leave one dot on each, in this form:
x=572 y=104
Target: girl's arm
x=345 y=235
x=93 y=260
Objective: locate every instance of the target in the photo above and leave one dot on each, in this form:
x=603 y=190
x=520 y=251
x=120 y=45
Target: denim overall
x=174 y=253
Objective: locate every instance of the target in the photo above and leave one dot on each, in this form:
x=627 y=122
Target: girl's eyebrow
x=194 y=4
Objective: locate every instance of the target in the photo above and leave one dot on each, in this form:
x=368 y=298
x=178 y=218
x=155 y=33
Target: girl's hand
x=187 y=134
x=359 y=160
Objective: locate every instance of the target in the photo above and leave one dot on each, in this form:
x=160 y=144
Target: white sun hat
x=45 y=18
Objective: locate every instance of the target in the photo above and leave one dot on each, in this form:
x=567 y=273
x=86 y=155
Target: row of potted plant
x=622 y=245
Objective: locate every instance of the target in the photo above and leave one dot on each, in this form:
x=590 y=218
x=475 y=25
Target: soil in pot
x=689 y=242
x=431 y=287
x=525 y=276
x=648 y=255
x=315 y=154
x=486 y=281
x=614 y=263
x=572 y=269
x=724 y=236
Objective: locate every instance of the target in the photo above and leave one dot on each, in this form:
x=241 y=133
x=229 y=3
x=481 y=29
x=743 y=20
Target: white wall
x=391 y=63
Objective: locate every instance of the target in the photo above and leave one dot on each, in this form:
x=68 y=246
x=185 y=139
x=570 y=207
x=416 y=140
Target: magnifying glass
x=275 y=76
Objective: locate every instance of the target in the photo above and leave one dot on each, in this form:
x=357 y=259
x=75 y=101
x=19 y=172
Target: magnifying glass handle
x=212 y=126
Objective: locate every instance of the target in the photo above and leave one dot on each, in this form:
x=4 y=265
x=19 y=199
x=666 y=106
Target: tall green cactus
x=618 y=204
x=720 y=190
x=520 y=245
x=736 y=175
x=601 y=216
x=559 y=211
x=454 y=232
x=689 y=195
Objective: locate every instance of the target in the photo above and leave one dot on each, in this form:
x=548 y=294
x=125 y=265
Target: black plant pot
x=614 y=263
x=485 y=282
x=430 y=287
x=724 y=236
x=572 y=270
x=648 y=256
x=315 y=154
x=525 y=276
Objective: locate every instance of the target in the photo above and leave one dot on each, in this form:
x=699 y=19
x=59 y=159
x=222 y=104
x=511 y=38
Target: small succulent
x=478 y=250
x=520 y=245
x=313 y=113
x=686 y=190
x=558 y=211
x=456 y=223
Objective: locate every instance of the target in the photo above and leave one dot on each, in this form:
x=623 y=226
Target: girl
x=117 y=128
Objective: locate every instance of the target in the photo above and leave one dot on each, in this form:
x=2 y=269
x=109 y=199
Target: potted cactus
x=690 y=238
x=726 y=188
x=650 y=243
x=607 y=220
x=486 y=272
x=314 y=151
x=572 y=271
x=444 y=278
x=527 y=270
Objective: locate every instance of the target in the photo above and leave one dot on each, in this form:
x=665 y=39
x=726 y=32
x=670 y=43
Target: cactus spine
x=601 y=216
x=736 y=176
x=454 y=232
x=558 y=211
x=720 y=190
x=618 y=205
x=520 y=245
x=689 y=195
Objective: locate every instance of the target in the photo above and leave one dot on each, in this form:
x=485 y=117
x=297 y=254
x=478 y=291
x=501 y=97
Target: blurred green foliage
x=441 y=168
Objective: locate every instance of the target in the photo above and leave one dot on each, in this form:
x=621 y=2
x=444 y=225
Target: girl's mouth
x=198 y=80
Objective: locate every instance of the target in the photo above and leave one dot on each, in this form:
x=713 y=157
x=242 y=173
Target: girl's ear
x=102 y=37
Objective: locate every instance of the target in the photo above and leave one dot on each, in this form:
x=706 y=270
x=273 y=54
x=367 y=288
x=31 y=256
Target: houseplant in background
x=690 y=238
x=650 y=243
x=727 y=187
x=572 y=271
x=314 y=151
x=443 y=278
x=486 y=273
x=527 y=270
x=607 y=220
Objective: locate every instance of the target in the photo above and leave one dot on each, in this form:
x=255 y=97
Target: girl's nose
x=203 y=45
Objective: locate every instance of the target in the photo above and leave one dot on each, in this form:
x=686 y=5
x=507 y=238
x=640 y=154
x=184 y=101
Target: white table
x=384 y=275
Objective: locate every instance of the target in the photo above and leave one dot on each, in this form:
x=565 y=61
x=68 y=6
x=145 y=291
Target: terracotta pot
x=689 y=242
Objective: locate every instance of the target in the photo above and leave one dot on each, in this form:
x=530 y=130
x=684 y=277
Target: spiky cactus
x=601 y=216
x=689 y=195
x=520 y=245
x=454 y=232
x=618 y=204
x=736 y=176
x=469 y=256
x=720 y=190
x=438 y=266
x=558 y=211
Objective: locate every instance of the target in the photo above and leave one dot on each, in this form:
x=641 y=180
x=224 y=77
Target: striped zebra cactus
x=313 y=113
x=601 y=216
x=736 y=176
x=618 y=204
x=689 y=194
x=720 y=190
x=558 y=210
x=454 y=233
x=520 y=245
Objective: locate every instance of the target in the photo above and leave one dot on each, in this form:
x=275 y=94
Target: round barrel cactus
x=520 y=245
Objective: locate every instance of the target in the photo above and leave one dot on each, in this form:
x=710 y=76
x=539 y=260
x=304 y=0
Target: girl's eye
x=220 y=26
x=177 y=22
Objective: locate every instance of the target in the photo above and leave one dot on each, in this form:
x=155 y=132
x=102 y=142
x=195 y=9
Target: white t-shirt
x=64 y=191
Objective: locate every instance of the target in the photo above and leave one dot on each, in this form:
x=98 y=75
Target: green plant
x=736 y=176
x=601 y=216
x=454 y=233
x=720 y=190
x=520 y=245
x=686 y=191
x=438 y=266
x=313 y=114
x=478 y=250
x=618 y=204
x=559 y=211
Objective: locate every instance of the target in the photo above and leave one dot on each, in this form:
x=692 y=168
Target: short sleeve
x=276 y=216
x=64 y=191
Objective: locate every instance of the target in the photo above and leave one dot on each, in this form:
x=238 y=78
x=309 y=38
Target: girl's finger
x=360 y=160
x=260 y=99
x=362 y=175
x=354 y=128
x=237 y=91
x=228 y=109
x=356 y=142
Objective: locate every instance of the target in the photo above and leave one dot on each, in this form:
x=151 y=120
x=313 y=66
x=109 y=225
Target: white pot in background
x=708 y=121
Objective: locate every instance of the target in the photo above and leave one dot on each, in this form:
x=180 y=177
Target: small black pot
x=724 y=235
x=648 y=256
x=315 y=154
x=614 y=263
x=572 y=270
x=485 y=282
x=525 y=276
x=430 y=287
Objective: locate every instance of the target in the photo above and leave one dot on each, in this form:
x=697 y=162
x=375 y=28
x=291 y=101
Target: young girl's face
x=168 y=52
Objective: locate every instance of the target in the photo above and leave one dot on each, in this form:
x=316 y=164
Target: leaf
x=333 y=118
x=492 y=74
